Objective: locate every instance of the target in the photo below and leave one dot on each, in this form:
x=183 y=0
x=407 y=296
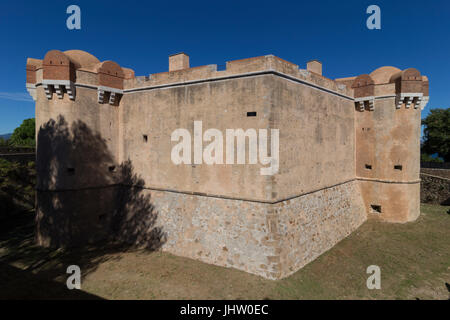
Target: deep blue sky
x=141 y=35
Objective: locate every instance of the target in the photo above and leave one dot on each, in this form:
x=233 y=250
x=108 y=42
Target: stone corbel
x=360 y=105
x=59 y=90
x=31 y=88
x=112 y=98
x=48 y=90
x=100 y=95
x=70 y=89
x=424 y=102
x=59 y=86
x=408 y=99
x=360 y=102
x=113 y=94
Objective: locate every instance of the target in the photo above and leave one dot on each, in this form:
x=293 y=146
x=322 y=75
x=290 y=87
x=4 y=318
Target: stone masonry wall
x=224 y=232
x=271 y=240
x=312 y=224
x=443 y=173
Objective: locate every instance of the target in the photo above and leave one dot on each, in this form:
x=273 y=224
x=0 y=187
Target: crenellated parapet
x=61 y=72
x=58 y=75
x=32 y=66
x=110 y=81
x=364 y=92
x=180 y=73
x=410 y=89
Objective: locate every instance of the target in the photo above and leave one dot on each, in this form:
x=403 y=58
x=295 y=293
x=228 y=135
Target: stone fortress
x=349 y=151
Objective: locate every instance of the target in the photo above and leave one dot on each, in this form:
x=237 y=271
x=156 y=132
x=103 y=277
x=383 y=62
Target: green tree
x=425 y=157
x=4 y=143
x=24 y=135
x=437 y=133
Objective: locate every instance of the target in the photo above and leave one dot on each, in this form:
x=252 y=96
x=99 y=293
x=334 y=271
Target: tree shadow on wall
x=84 y=196
x=89 y=207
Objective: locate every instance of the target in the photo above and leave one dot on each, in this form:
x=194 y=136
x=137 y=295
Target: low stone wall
x=18 y=154
x=435 y=165
x=434 y=189
x=19 y=157
x=9 y=150
x=443 y=173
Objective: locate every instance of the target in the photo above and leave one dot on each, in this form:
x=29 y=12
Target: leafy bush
x=425 y=157
x=4 y=142
x=17 y=183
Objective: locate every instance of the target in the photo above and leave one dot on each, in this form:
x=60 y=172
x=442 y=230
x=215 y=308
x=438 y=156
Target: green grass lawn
x=414 y=259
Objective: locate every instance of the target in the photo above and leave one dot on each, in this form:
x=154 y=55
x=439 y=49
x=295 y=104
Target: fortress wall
x=271 y=240
x=399 y=202
x=236 y=67
x=312 y=224
x=247 y=235
x=75 y=217
x=106 y=170
x=221 y=105
x=229 y=233
x=87 y=77
x=316 y=138
x=183 y=74
x=387 y=137
x=86 y=141
x=249 y=65
x=76 y=147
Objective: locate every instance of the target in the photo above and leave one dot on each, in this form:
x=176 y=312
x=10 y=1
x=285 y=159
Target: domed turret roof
x=81 y=58
x=383 y=74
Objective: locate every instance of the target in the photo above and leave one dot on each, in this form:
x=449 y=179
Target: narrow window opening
x=145 y=138
x=251 y=114
x=71 y=171
x=398 y=167
x=375 y=208
x=368 y=166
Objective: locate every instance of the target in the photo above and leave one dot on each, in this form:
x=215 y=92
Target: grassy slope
x=414 y=259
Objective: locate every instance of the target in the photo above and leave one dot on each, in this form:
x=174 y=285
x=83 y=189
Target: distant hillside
x=5 y=136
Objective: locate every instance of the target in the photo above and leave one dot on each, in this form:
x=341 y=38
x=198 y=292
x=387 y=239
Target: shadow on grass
x=28 y=271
